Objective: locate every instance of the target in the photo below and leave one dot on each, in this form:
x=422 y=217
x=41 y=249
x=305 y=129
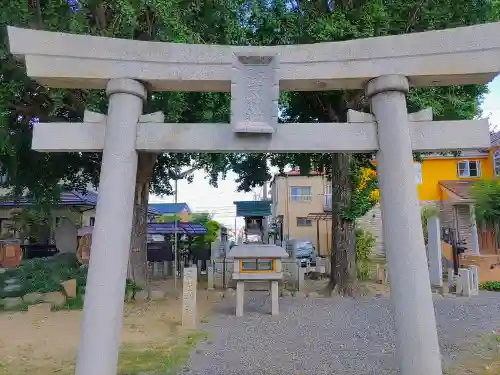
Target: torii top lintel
x=465 y=55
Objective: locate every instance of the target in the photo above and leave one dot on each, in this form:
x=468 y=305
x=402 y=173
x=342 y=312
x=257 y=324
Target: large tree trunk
x=138 y=267
x=343 y=278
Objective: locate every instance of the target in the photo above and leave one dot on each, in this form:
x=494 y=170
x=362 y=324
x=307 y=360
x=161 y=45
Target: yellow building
x=301 y=204
x=445 y=181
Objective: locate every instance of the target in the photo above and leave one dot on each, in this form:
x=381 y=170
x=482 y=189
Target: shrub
x=493 y=286
x=365 y=243
x=42 y=275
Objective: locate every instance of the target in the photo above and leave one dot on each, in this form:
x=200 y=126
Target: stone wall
x=372 y=222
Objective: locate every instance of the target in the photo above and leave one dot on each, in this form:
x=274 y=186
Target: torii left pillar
x=104 y=295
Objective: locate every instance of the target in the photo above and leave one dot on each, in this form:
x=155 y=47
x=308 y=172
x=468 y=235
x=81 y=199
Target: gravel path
x=314 y=337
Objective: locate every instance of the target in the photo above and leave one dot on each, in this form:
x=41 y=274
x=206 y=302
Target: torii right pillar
x=417 y=342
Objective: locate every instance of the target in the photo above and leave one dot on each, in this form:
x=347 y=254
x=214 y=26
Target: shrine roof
x=67 y=198
x=257 y=250
x=86 y=198
x=168 y=208
x=253 y=208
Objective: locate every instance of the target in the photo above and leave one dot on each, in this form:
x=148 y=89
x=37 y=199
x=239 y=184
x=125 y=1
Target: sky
x=202 y=197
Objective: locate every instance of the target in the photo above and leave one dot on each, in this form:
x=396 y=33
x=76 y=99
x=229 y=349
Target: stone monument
x=189 y=315
x=385 y=67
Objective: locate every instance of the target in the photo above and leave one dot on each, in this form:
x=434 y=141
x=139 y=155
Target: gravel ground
x=315 y=337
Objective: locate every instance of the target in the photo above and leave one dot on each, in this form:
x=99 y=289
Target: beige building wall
x=76 y=217
x=291 y=209
x=294 y=198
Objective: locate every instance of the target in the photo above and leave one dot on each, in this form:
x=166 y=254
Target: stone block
x=286 y=293
x=445 y=289
x=313 y=295
x=32 y=298
x=254 y=93
x=40 y=309
x=141 y=295
x=69 y=287
x=11 y=302
x=157 y=295
x=56 y=299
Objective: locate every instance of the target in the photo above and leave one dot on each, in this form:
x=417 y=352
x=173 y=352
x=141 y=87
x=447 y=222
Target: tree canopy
x=23 y=102
x=486 y=194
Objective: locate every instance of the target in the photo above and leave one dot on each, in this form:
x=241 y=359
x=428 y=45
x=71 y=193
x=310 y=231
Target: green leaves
x=486 y=194
x=242 y=22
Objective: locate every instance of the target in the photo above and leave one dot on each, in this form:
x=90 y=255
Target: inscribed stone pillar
x=240 y=297
x=464 y=282
x=215 y=250
x=301 y=277
x=189 y=316
x=210 y=277
x=434 y=249
x=103 y=309
x=473 y=229
x=417 y=343
x=275 y=309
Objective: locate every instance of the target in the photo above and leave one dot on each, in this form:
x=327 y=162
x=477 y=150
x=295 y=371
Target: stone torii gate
x=385 y=67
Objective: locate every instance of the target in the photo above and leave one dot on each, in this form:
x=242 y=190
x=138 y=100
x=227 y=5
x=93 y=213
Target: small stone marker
x=11 y=302
x=189 y=318
x=69 y=287
x=302 y=276
x=56 y=299
x=210 y=277
x=32 y=298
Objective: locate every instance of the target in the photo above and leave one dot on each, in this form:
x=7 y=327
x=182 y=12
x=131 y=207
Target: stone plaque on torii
x=384 y=67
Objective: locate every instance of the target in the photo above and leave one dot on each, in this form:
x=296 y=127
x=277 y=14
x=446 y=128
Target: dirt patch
x=366 y=288
x=479 y=358
x=42 y=345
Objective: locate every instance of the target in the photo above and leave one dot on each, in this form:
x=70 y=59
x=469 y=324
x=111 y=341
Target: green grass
x=157 y=359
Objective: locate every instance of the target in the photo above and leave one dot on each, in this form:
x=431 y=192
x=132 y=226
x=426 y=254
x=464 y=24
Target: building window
x=304 y=222
x=92 y=221
x=300 y=193
x=496 y=163
x=328 y=189
x=468 y=168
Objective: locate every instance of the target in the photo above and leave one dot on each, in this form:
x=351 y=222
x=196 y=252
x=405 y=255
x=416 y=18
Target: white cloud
x=202 y=197
x=491 y=104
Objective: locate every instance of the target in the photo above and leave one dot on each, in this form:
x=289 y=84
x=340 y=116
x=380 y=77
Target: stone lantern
x=254 y=260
